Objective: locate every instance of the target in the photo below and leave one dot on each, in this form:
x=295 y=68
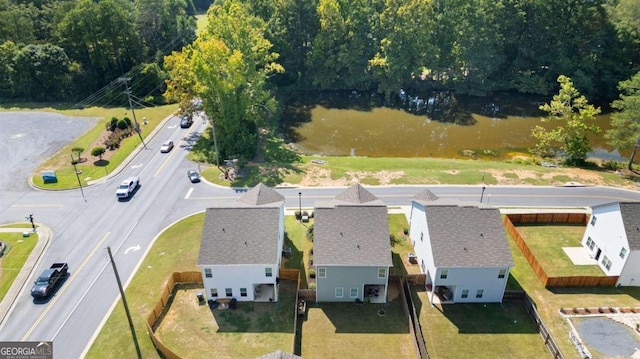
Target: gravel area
x=607 y=337
x=29 y=138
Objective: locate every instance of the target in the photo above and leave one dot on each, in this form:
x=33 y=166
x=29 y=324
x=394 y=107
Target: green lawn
x=488 y=331
x=546 y=242
x=348 y=330
x=15 y=255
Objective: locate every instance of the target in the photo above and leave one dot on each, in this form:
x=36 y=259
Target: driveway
x=27 y=139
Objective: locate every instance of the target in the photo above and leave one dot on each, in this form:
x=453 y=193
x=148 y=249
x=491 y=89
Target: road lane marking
x=166 y=160
x=188 y=193
x=36 y=205
x=64 y=288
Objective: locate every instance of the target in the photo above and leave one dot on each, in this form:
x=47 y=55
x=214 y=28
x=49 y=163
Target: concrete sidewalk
x=44 y=237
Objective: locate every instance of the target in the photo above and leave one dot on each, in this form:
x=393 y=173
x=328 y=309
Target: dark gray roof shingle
x=425 y=196
x=353 y=230
x=240 y=235
x=261 y=195
x=468 y=237
x=630 y=213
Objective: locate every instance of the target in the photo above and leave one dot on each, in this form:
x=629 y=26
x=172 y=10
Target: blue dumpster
x=49 y=176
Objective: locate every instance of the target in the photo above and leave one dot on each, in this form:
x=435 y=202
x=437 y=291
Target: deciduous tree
x=577 y=118
x=625 y=123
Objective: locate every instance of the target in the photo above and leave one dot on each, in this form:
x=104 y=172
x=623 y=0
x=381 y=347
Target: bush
x=298 y=215
x=312 y=273
x=123 y=125
x=405 y=230
x=312 y=286
x=113 y=124
x=612 y=165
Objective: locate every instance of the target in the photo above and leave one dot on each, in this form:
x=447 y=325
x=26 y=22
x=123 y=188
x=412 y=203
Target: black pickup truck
x=48 y=280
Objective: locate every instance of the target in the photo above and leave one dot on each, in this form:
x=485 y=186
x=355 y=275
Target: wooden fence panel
x=416 y=279
x=307 y=294
x=285 y=273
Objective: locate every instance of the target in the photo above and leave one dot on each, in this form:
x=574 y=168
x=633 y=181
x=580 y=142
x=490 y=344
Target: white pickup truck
x=126 y=188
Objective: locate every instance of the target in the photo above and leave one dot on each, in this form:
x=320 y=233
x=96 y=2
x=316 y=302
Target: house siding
x=473 y=279
x=419 y=233
x=608 y=234
x=630 y=275
x=236 y=277
x=347 y=278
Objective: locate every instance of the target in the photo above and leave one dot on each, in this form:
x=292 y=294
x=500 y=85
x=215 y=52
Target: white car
x=166 y=146
x=127 y=187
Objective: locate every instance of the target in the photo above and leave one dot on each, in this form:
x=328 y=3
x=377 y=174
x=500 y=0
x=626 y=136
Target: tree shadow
x=101 y=163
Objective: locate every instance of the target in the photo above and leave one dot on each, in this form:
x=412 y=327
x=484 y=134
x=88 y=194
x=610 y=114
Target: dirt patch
x=320 y=176
x=99 y=142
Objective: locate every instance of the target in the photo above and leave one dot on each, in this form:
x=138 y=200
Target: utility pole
x=75 y=169
x=300 y=205
x=124 y=302
x=128 y=92
x=483 y=188
x=33 y=225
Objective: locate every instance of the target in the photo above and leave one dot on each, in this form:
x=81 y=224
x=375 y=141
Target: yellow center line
x=170 y=154
x=59 y=293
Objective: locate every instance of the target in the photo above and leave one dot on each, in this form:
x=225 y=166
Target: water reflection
x=438 y=124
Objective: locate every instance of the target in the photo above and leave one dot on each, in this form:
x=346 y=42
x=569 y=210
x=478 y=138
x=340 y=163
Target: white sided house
x=462 y=249
x=241 y=247
x=351 y=248
x=612 y=238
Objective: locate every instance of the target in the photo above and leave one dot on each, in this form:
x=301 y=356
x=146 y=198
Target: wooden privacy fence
x=575 y=281
x=410 y=310
x=416 y=279
x=285 y=273
x=159 y=309
x=549 y=342
x=569 y=218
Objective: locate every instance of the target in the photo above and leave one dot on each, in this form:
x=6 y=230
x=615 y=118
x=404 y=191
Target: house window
x=207 y=273
x=623 y=252
x=382 y=272
x=214 y=292
x=228 y=292
x=593 y=220
x=353 y=292
x=339 y=292
x=322 y=272
x=444 y=273
x=479 y=293
x=465 y=293
x=502 y=273
x=589 y=242
x=606 y=262
x=243 y=292
x=268 y=272
x=593 y=243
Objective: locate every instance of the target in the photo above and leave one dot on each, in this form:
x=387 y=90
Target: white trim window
x=382 y=272
x=623 y=252
x=268 y=272
x=465 y=293
x=322 y=272
x=590 y=243
x=593 y=220
x=208 y=273
x=339 y=292
x=213 y=292
x=228 y=292
x=479 y=293
x=502 y=273
x=353 y=292
x=444 y=273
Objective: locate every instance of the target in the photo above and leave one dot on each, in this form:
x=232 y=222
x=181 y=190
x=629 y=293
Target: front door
x=598 y=252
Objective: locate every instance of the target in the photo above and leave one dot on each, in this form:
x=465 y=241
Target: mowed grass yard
x=549 y=300
x=546 y=243
x=15 y=255
x=192 y=330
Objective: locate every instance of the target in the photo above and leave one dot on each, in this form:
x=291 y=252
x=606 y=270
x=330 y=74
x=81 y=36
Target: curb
x=18 y=285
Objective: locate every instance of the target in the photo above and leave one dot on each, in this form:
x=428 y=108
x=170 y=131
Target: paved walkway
x=43 y=238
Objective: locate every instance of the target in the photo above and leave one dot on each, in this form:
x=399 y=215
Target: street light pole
x=75 y=169
x=483 y=188
x=300 y=205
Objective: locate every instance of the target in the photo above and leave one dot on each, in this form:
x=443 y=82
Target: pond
x=438 y=124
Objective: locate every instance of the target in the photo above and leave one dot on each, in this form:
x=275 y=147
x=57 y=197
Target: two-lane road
x=83 y=230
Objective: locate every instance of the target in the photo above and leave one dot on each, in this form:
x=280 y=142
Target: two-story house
x=241 y=247
x=461 y=247
x=352 y=250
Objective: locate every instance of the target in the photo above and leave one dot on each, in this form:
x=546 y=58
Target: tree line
x=68 y=49
x=252 y=50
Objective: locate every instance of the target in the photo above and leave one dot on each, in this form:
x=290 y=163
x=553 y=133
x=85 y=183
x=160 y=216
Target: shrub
x=312 y=286
x=405 y=230
x=312 y=273
x=98 y=152
x=298 y=215
x=113 y=124
x=612 y=165
x=78 y=151
x=393 y=239
x=123 y=125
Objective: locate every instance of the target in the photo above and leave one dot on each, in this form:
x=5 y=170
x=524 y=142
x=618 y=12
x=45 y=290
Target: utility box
x=49 y=176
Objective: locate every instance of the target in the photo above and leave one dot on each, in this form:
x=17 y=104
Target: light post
x=128 y=92
x=300 y=205
x=30 y=218
x=75 y=169
x=483 y=188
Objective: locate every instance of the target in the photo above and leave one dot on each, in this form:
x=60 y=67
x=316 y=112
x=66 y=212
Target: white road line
x=188 y=193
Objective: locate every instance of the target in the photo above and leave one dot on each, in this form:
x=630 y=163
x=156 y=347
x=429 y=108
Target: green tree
x=577 y=117
x=227 y=67
x=98 y=152
x=625 y=123
x=42 y=72
x=78 y=151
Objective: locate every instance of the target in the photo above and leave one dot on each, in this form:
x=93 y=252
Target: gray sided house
x=241 y=247
x=461 y=247
x=351 y=249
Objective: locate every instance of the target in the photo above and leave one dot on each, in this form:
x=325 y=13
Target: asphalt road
x=82 y=230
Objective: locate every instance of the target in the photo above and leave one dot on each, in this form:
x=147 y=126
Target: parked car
x=193 y=176
x=127 y=187
x=186 y=121
x=166 y=146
